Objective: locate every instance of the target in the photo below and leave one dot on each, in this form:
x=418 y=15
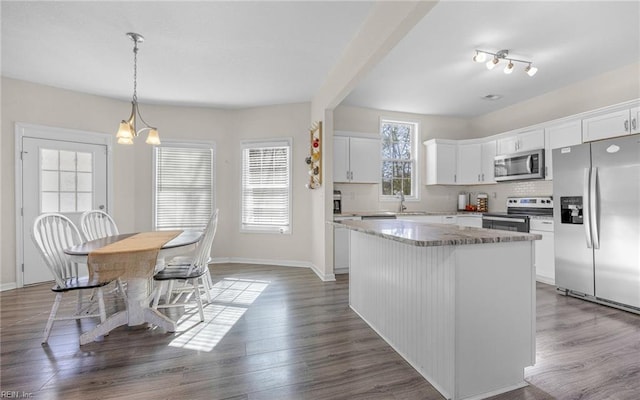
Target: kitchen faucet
x=401 y=206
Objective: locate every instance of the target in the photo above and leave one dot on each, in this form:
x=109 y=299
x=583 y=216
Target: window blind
x=184 y=187
x=266 y=186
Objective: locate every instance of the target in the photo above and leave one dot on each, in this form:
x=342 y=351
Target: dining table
x=137 y=275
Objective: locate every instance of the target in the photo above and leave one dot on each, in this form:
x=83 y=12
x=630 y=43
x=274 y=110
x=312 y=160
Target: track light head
x=492 y=63
x=531 y=71
x=480 y=56
x=509 y=68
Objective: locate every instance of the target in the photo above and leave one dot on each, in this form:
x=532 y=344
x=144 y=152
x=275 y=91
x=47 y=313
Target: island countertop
x=428 y=234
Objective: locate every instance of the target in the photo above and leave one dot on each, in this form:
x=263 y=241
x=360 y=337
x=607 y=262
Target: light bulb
x=509 y=68
x=492 y=63
x=479 y=57
x=531 y=71
x=125 y=141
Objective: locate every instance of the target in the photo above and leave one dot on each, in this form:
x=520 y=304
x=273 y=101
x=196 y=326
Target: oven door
x=516 y=224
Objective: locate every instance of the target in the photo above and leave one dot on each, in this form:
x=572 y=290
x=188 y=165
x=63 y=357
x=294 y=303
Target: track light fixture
x=481 y=56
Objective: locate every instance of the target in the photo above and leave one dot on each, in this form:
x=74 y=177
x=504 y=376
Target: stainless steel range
x=519 y=212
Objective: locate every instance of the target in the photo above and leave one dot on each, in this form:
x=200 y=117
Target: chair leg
x=156 y=297
x=196 y=289
x=101 y=308
x=207 y=288
x=52 y=316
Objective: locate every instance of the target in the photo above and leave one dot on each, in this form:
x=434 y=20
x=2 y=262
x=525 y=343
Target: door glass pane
x=67 y=202
x=84 y=162
x=84 y=182
x=67 y=160
x=49 y=202
x=49 y=159
x=84 y=202
x=49 y=181
x=66 y=181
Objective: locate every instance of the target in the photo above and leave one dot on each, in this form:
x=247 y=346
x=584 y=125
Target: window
x=399 y=159
x=266 y=186
x=66 y=181
x=184 y=185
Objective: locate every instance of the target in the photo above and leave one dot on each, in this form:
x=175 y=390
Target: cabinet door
x=507 y=145
x=531 y=140
x=441 y=164
x=340 y=159
x=340 y=249
x=635 y=120
x=364 y=160
x=487 y=168
x=607 y=125
x=470 y=220
x=544 y=258
x=469 y=163
x=564 y=135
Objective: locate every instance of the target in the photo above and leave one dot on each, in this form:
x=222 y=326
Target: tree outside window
x=398 y=158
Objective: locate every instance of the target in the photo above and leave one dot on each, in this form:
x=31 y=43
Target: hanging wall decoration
x=314 y=160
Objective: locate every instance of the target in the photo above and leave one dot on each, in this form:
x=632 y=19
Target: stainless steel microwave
x=519 y=166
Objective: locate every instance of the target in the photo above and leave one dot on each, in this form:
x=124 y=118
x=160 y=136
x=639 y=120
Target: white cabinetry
x=475 y=163
x=341 y=247
x=521 y=141
x=441 y=162
x=617 y=123
x=356 y=160
x=474 y=221
x=562 y=135
x=544 y=250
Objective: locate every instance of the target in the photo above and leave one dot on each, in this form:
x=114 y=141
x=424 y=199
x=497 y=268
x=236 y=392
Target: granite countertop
x=425 y=234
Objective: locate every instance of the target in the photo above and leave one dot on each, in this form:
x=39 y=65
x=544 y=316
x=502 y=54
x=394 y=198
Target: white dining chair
x=96 y=224
x=193 y=274
x=52 y=233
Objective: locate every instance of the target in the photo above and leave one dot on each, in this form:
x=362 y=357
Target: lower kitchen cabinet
x=474 y=221
x=341 y=247
x=544 y=251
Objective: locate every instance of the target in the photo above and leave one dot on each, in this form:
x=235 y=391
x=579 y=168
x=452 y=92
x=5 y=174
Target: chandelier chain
x=135 y=71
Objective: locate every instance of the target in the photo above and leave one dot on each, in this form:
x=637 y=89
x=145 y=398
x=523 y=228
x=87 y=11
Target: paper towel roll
x=462 y=201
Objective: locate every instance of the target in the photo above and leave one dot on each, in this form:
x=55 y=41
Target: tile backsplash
x=440 y=198
x=499 y=192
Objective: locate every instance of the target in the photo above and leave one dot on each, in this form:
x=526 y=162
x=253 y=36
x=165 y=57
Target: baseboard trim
x=281 y=263
x=8 y=286
x=544 y=279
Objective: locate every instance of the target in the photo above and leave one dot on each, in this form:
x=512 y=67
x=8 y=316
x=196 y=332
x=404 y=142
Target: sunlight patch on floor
x=230 y=299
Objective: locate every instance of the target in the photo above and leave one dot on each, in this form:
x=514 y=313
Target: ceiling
x=247 y=54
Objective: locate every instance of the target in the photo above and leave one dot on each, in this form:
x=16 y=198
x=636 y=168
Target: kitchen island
x=457 y=303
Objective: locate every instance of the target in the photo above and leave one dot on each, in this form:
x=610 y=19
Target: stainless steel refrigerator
x=596 y=190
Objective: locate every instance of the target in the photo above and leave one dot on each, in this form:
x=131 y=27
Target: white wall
x=44 y=105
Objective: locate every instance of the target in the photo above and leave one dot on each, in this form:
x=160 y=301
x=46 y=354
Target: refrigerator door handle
x=593 y=208
x=586 y=207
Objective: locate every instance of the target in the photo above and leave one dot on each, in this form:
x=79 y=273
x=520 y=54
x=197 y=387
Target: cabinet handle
x=478 y=177
x=626 y=125
x=482 y=177
x=455 y=178
x=633 y=124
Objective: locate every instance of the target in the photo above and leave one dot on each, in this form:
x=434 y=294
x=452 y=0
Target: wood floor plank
x=281 y=333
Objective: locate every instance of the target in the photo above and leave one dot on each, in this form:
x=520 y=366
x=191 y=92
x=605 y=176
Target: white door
x=58 y=176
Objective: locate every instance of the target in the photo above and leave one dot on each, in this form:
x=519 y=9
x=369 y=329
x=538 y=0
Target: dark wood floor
x=281 y=333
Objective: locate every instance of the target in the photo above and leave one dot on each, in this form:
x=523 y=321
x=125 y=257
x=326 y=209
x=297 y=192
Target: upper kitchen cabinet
x=356 y=159
x=616 y=123
x=475 y=162
x=566 y=134
x=441 y=162
x=521 y=141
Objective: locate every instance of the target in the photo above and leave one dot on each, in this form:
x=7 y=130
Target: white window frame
x=271 y=142
x=183 y=144
x=415 y=159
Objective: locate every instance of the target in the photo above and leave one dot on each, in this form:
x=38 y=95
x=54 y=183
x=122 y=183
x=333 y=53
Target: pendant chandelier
x=128 y=130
